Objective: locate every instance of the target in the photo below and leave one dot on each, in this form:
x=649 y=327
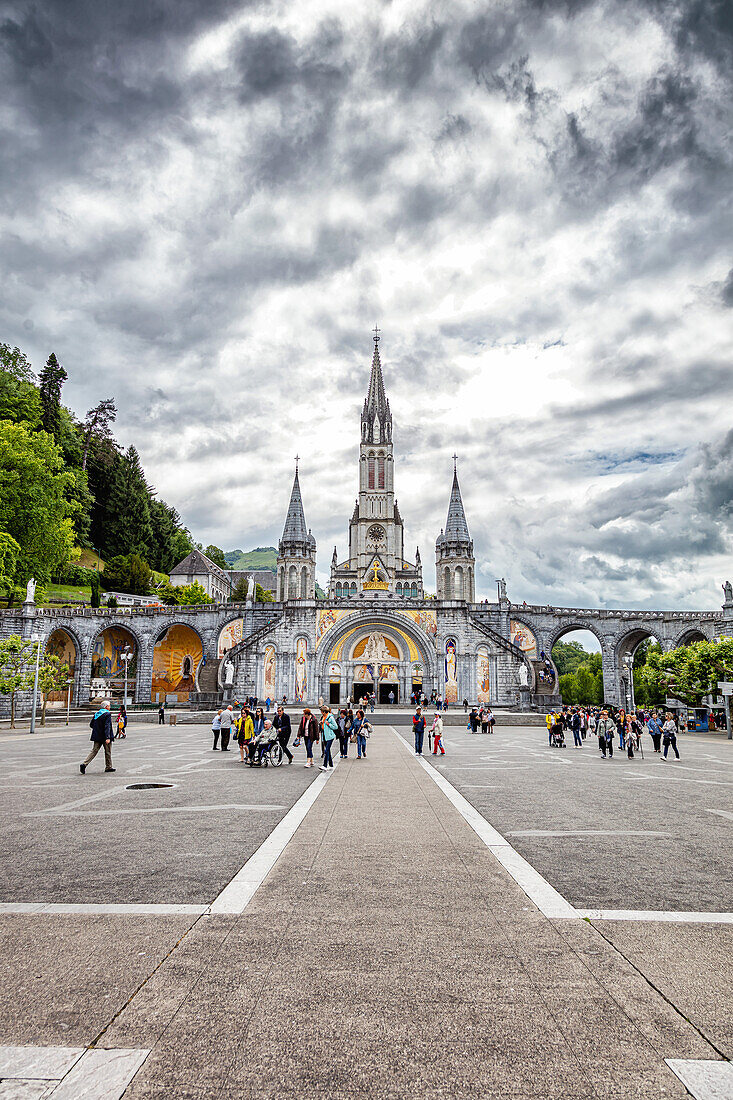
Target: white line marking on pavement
x=584 y=832
x=537 y=889
x=720 y=813
x=235 y=897
x=656 y=915
x=706 y=1080
x=162 y=810
x=127 y=909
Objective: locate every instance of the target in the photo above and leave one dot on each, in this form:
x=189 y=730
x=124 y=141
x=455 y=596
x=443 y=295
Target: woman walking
x=344 y=729
x=360 y=729
x=437 y=731
x=308 y=730
x=669 y=730
x=329 y=729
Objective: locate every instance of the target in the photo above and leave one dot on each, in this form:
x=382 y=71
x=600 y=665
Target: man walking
x=161 y=714
x=418 y=729
x=575 y=725
x=101 y=726
x=281 y=722
x=227 y=719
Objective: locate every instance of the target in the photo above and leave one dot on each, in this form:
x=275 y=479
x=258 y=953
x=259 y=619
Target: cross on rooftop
x=376 y=331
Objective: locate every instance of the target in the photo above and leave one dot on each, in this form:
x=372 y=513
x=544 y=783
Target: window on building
x=370 y=475
x=381 y=473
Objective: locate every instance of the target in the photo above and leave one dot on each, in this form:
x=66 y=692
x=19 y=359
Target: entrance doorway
x=417 y=688
x=384 y=692
x=361 y=690
x=334 y=693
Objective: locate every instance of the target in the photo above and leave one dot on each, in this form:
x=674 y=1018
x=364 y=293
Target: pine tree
x=130 y=508
x=50 y=380
x=97 y=424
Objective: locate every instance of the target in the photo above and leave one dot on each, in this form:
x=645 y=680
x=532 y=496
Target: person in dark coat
x=418 y=729
x=101 y=726
x=281 y=723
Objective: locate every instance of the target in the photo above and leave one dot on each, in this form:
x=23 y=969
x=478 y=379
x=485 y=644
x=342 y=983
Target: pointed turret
x=295 y=529
x=456 y=527
x=296 y=558
x=454 y=561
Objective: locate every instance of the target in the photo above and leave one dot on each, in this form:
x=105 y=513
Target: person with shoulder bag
x=329 y=729
x=308 y=731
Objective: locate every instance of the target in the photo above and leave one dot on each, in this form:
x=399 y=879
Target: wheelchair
x=266 y=752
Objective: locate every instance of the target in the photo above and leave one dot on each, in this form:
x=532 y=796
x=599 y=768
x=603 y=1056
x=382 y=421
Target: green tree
x=127 y=573
x=9 y=556
x=19 y=397
x=215 y=554
x=50 y=381
x=130 y=519
x=96 y=596
x=184 y=595
x=34 y=509
x=52 y=676
x=568 y=656
x=690 y=672
x=97 y=425
x=17 y=667
x=239 y=595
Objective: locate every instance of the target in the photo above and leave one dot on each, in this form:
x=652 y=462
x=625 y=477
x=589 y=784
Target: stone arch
x=292 y=583
x=361 y=623
x=62 y=652
x=458 y=585
x=107 y=671
x=281 y=584
x=688 y=636
x=304 y=582
x=558 y=632
x=175 y=671
x=446 y=583
x=625 y=647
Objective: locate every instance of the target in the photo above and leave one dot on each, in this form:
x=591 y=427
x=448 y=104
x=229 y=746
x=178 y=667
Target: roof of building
x=195 y=564
x=376 y=405
x=456 y=527
x=295 y=529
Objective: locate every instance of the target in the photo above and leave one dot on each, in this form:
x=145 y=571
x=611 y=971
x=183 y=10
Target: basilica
x=376 y=630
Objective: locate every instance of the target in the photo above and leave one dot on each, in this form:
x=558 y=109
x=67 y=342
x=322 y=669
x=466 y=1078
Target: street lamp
x=69 y=683
x=37 y=639
x=126 y=656
x=629 y=662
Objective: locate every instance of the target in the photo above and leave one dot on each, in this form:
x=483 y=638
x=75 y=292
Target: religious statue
x=502 y=589
x=30 y=591
x=523 y=676
x=728 y=589
x=249 y=591
x=376 y=648
x=228 y=673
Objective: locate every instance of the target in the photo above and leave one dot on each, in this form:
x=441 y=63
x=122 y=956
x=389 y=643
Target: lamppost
x=69 y=684
x=629 y=663
x=37 y=639
x=126 y=656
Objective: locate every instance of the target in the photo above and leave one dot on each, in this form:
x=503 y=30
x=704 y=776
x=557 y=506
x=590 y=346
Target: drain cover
x=146 y=786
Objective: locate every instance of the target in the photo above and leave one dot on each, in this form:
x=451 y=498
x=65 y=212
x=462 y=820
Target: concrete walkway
x=389 y=955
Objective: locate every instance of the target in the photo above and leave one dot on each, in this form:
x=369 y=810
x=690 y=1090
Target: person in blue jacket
x=329 y=729
x=101 y=725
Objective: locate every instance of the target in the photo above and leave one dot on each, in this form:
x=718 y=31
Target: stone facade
x=375 y=630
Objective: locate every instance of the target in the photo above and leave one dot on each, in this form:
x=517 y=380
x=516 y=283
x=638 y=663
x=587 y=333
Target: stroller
x=266 y=750
x=558 y=737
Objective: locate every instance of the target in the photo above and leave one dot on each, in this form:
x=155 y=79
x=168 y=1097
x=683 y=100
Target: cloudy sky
x=205 y=206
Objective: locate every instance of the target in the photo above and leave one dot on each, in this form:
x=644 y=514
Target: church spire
x=456 y=527
x=376 y=418
x=295 y=529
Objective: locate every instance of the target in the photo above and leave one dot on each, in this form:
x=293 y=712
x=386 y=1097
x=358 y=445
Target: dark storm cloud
x=532 y=201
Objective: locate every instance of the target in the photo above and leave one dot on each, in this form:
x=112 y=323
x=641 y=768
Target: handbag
x=352 y=739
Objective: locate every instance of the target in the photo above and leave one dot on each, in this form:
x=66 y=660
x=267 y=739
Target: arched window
x=353 y=587
x=414 y=589
x=398 y=588
x=446 y=583
x=380 y=483
x=339 y=591
x=458 y=583
x=292 y=583
x=304 y=583
x=370 y=476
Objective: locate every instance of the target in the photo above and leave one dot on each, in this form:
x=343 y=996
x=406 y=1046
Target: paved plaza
x=507 y=921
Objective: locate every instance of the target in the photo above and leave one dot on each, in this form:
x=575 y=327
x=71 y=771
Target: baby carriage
x=266 y=750
x=558 y=737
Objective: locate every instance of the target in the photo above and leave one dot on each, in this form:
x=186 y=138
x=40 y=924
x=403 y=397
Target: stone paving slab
x=388 y=954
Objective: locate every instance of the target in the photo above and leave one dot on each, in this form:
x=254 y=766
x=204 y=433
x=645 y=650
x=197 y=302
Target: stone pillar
x=524 y=703
x=610 y=676
x=144 y=677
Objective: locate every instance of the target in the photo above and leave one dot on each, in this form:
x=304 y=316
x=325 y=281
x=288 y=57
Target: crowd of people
x=255 y=733
x=606 y=724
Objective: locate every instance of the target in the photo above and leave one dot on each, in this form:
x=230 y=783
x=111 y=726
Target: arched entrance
x=574 y=666
x=177 y=654
x=62 y=644
x=385 y=655
x=632 y=652
x=109 y=665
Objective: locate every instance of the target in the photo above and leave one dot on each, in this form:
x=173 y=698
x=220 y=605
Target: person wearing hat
x=101 y=726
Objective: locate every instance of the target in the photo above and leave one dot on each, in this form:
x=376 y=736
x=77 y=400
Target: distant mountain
x=262 y=557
